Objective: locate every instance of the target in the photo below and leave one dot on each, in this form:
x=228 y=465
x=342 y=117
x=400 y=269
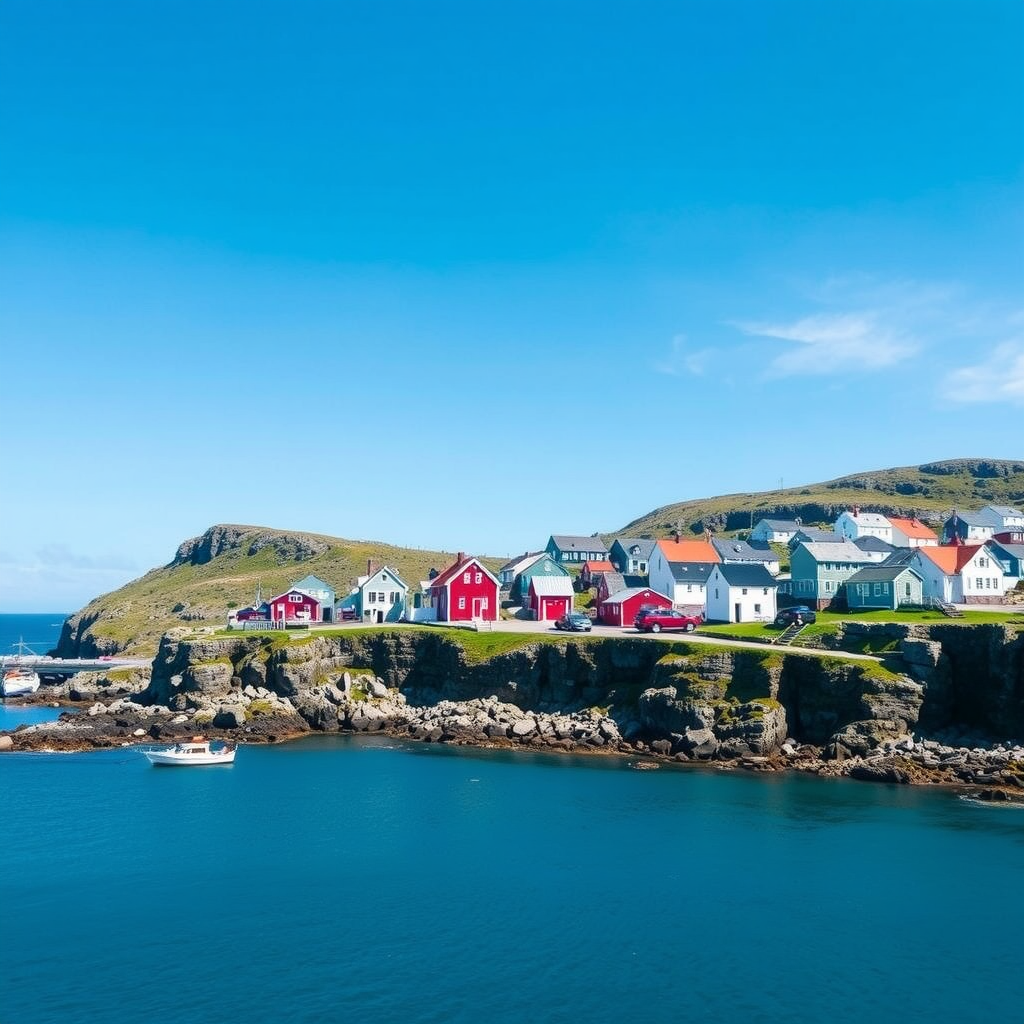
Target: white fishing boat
x=196 y=751
x=19 y=677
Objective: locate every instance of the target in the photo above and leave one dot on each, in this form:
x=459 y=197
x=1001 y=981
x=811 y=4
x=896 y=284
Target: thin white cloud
x=999 y=378
x=830 y=343
x=684 y=360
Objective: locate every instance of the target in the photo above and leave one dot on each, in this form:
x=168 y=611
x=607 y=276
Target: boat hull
x=173 y=759
x=19 y=684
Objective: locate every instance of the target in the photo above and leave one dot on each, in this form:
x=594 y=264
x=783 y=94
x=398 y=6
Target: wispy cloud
x=685 y=360
x=829 y=343
x=999 y=378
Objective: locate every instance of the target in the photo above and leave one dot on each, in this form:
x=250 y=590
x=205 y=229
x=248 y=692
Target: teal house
x=884 y=586
x=545 y=565
x=820 y=571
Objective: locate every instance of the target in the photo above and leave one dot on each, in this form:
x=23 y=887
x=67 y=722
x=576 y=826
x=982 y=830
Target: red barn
x=551 y=597
x=621 y=608
x=465 y=591
x=294 y=606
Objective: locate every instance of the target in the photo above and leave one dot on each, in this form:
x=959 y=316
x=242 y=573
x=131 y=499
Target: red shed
x=621 y=608
x=551 y=597
x=294 y=606
x=465 y=591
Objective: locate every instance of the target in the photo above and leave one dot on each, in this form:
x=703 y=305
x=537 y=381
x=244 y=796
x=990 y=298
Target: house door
x=281 y=613
x=380 y=616
x=738 y=612
x=478 y=607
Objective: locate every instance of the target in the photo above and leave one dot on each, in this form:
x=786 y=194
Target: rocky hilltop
x=220 y=570
x=922 y=717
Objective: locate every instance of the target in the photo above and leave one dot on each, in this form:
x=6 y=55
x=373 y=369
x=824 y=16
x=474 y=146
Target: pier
x=49 y=667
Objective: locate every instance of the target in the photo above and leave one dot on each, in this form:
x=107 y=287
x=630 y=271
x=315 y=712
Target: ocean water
x=40 y=633
x=343 y=878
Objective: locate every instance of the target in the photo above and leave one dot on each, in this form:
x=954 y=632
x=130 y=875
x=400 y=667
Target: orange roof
x=912 y=528
x=688 y=551
x=599 y=566
x=951 y=558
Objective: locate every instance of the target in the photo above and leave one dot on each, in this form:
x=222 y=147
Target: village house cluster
x=864 y=560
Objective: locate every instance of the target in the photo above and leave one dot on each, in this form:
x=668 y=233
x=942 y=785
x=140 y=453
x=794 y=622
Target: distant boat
x=18 y=678
x=196 y=751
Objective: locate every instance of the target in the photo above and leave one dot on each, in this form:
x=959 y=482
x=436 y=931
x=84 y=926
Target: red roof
x=913 y=528
x=599 y=566
x=688 y=551
x=453 y=570
x=951 y=558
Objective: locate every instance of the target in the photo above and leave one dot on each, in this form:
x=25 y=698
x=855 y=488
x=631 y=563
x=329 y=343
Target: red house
x=294 y=606
x=551 y=597
x=465 y=591
x=621 y=608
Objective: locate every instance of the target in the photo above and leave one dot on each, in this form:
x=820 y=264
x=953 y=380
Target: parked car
x=787 y=616
x=654 y=620
x=574 y=622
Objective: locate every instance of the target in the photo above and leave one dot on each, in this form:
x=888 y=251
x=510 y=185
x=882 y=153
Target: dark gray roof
x=1016 y=550
x=691 y=572
x=513 y=562
x=1005 y=510
x=614 y=582
x=646 y=544
x=901 y=556
x=781 y=525
x=744 y=574
x=816 y=535
x=873 y=544
x=972 y=519
x=567 y=542
x=743 y=551
x=884 y=573
x=636 y=581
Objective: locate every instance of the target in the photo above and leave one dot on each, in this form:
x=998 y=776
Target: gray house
x=632 y=555
x=820 y=570
x=884 y=586
x=564 y=548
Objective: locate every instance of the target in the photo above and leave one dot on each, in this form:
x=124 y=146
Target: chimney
x=856 y=510
x=461 y=557
x=372 y=565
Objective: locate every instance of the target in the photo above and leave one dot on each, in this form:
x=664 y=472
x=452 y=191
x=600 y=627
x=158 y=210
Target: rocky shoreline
x=119 y=713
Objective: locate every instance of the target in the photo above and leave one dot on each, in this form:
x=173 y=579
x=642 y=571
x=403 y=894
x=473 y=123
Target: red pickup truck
x=654 y=620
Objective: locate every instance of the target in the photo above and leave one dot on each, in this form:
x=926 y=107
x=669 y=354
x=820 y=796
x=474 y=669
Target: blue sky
x=460 y=275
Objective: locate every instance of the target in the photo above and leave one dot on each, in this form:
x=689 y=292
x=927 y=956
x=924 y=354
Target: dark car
x=574 y=622
x=654 y=620
x=787 y=616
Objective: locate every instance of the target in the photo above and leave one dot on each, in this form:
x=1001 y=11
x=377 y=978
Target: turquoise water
x=351 y=879
x=40 y=633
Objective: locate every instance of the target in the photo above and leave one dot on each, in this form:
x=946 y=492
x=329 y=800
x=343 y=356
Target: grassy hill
x=929 y=491
x=218 y=571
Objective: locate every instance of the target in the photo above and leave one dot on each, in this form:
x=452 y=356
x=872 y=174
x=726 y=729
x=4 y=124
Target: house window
x=828 y=586
x=878 y=589
x=906 y=589
x=744 y=591
x=465 y=577
x=642 y=567
x=716 y=593
x=394 y=597
x=689 y=587
x=764 y=591
x=978 y=582
x=295 y=598
x=982 y=563
x=462 y=602
x=757 y=609
x=478 y=578
x=483 y=604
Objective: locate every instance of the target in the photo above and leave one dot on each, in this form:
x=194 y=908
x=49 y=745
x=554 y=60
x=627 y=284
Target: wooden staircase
x=789 y=634
x=949 y=610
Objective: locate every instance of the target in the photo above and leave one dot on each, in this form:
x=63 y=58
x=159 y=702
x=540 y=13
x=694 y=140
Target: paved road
x=524 y=626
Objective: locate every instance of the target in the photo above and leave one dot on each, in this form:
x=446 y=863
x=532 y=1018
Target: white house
x=758 y=553
x=1003 y=517
x=738 y=592
x=382 y=596
x=911 y=533
x=855 y=524
x=683 y=583
x=775 y=531
x=961 y=573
